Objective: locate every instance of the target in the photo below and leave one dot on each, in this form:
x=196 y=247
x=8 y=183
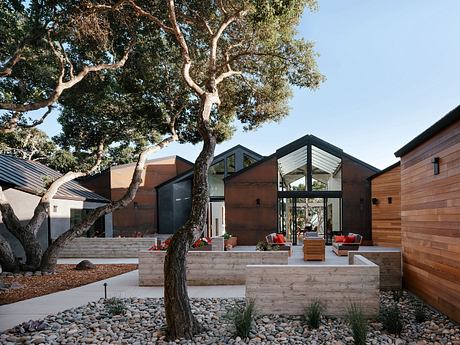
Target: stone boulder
x=85 y=265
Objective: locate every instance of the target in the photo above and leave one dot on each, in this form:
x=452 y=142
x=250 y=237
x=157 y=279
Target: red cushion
x=283 y=238
x=279 y=239
x=339 y=239
x=349 y=239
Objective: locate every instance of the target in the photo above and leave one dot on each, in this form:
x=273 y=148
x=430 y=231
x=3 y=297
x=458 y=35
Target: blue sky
x=392 y=69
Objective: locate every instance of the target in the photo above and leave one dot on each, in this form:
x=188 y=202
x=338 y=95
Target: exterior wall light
x=390 y=200
x=375 y=201
x=258 y=202
x=55 y=208
x=435 y=162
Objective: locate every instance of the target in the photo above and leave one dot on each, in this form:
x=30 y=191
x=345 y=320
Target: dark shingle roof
x=30 y=176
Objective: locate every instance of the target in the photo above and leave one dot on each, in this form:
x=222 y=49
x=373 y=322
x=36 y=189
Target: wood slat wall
x=386 y=217
x=290 y=289
x=430 y=207
x=119 y=247
x=208 y=268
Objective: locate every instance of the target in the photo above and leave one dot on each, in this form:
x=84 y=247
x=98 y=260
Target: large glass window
x=326 y=171
x=216 y=179
x=230 y=164
x=298 y=215
x=77 y=215
x=293 y=170
x=248 y=160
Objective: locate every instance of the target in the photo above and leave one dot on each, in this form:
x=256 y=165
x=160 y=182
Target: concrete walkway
x=125 y=285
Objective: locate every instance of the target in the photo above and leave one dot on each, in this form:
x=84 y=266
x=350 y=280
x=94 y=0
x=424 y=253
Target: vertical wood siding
x=430 y=207
x=386 y=217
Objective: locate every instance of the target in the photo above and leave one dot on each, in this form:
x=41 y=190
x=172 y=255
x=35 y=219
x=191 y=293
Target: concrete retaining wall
x=208 y=268
x=124 y=247
x=390 y=267
x=278 y=289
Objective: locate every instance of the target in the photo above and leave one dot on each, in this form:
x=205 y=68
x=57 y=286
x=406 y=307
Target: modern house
x=23 y=181
x=416 y=206
x=140 y=217
x=308 y=182
x=174 y=195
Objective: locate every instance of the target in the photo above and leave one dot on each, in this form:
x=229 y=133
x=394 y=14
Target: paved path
x=125 y=285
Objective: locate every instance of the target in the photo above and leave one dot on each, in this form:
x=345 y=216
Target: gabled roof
x=446 y=121
x=298 y=144
x=217 y=158
x=29 y=176
x=324 y=145
x=381 y=172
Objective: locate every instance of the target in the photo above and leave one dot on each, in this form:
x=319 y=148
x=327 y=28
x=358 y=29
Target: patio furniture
x=343 y=246
x=272 y=240
x=314 y=248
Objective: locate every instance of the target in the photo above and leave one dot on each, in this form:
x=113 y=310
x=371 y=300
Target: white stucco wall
x=60 y=215
x=24 y=204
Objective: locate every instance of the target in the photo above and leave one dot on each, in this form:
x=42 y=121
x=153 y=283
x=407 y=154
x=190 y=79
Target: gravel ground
x=143 y=322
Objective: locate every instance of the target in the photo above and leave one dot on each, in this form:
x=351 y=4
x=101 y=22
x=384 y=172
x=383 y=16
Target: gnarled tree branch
x=64 y=85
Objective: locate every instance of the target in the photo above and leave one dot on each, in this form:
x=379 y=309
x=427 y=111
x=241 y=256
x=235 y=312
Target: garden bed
x=66 y=277
x=143 y=322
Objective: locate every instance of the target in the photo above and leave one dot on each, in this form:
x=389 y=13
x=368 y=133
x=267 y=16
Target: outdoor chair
x=271 y=239
x=341 y=246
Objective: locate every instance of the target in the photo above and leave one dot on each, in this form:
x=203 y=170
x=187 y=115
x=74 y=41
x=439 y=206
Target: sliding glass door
x=297 y=215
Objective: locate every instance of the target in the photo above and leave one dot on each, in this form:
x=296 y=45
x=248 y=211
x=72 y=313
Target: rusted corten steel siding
x=356 y=198
x=141 y=214
x=244 y=218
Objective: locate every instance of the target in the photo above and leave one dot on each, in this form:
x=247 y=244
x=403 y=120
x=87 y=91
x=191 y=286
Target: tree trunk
x=180 y=321
x=25 y=235
x=7 y=259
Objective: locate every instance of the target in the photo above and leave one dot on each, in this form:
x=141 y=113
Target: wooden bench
x=314 y=249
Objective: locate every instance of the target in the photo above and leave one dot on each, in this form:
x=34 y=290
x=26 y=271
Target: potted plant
x=230 y=241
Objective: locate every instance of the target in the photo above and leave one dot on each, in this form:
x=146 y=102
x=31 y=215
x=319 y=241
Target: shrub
x=266 y=247
x=390 y=317
x=313 y=314
x=242 y=318
x=227 y=236
x=420 y=313
x=358 y=324
x=115 y=306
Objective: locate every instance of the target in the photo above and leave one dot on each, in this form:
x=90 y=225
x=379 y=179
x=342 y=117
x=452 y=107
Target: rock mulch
x=17 y=287
x=143 y=323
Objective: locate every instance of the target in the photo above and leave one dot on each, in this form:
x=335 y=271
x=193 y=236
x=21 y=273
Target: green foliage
x=313 y=313
x=242 y=318
x=358 y=324
x=391 y=319
x=227 y=236
x=420 y=312
x=263 y=246
x=115 y=306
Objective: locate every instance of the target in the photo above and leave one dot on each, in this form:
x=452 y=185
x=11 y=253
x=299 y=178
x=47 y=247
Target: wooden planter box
x=232 y=241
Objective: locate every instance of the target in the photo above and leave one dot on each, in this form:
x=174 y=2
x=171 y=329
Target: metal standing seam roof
x=30 y=176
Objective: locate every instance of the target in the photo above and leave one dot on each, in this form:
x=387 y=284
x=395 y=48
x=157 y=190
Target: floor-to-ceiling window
x=309 y=192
